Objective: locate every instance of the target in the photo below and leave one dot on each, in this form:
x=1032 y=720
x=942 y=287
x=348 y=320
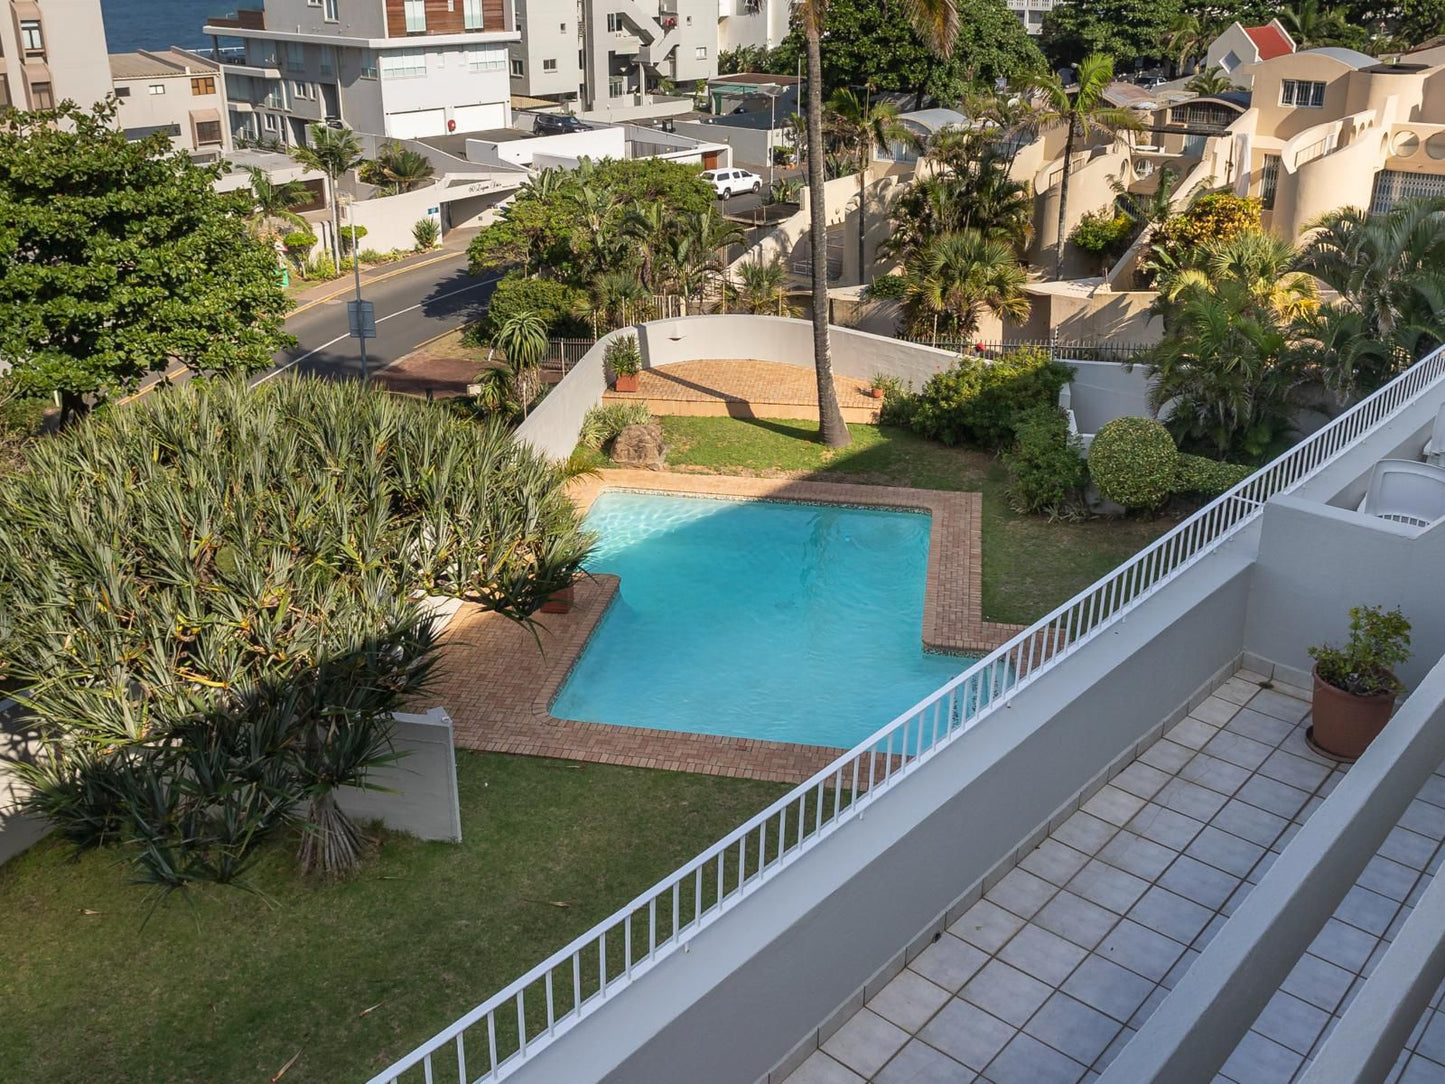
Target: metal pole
x=356 y=269
x=772 y=126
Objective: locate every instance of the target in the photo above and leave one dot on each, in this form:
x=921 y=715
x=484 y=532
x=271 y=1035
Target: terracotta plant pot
x=877 y=393
x=559 y=602
x=625 y=382
x=1345 y=724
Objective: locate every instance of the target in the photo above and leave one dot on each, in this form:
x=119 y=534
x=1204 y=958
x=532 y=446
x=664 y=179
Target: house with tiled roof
x=1239 y=45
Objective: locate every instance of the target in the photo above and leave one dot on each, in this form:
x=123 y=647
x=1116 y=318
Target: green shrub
x=321 y=268
x=477 y=335
x=1103 y=234
x=1379 y=641
x=983 y=401
x=555 y=302
x=299 y=242
x=370 y=255
x=899 y=407
x=603 y=423
x=1207 y=477
x=346 y=237
x=622 y=356
x=1134 y=462
x=1045 y=464
x=425 y=233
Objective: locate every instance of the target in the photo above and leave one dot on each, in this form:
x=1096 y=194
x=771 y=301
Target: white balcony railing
x=507 y=1029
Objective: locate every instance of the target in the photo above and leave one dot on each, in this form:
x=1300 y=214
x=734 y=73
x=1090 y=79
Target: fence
x=563 y=354
x=1058 y=349
x=534 y=1010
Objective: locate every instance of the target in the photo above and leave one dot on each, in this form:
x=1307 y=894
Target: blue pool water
x=790 y=622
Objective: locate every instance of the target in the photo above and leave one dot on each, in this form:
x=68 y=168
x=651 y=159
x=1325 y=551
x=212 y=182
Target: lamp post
x=356 y=270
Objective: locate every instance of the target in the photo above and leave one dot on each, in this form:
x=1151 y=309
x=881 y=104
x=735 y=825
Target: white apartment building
x=1031 y=12
x=51 y=50
x=610 y=56
x=398 y=68
x=174 y=91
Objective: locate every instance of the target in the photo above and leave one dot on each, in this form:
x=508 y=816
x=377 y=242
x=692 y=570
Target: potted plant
x=881 y=382
x=559 y=602
x=624 y=359
x=1355 y=685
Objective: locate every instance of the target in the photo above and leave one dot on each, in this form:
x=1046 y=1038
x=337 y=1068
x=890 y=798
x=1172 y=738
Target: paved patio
x=744 y=389
x=1046 y=978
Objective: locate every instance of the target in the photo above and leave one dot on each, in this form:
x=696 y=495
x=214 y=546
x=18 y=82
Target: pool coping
x=510 y=712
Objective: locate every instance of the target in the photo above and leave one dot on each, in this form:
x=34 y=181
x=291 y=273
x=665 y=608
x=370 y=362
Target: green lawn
x=227 y=986
x=1030 y=565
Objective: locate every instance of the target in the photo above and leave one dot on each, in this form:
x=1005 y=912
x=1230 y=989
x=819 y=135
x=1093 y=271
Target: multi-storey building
x=51 y=50
x=174 y=91
x=610 y=55
x=1031 y=12
x=399 y=68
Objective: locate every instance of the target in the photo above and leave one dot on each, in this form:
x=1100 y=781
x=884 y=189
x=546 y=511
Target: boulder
x=639 y=446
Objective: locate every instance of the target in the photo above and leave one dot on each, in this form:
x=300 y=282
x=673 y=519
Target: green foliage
x=1134 y=462
x=298 y=243
x=952 y=279
x=321 y=267
x=226 y=614
x=558 y=304
x=982 y=402
x=1104 y=234
x=1209 y=220
x=350 y=235
x=425 y=233
x=886 y=383
x=397 y=169
x=1379 y=641
x=1207 y=478
x=601 y=424
x=118 y=259
x=1126 y=30
x=623 y=356
x=1046 y=465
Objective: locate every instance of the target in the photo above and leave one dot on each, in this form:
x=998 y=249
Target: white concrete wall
x=448 y=83
x=552 y=428
x=1104 y=390
x=418 y=793
x=18 y=831
x=749 y=145
x=597 y=144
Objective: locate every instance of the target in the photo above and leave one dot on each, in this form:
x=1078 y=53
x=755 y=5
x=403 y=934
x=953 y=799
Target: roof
x=934 y=120
x=1270 y=40
x=752 y=79
x=151 y=63
x=1352 y=57
x=1121 y=93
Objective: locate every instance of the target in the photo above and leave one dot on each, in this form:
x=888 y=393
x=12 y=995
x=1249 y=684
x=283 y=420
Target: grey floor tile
x=1181 y=965
x=1108 y=987
x=986 y=925
x=1408 y=848
x=1218 y=775
x=949 y=962
x=1108 y=886
x=1211 y=928
x=821 y=1069
x=1262 y=867
x=967 y=1034
x=1298 y=744
x=1249 y=822
x=1291 y=1022
x=1076 y=919
x=1165 y=826
x=919 y=1063
x=1237 y=749
x=1173 y=916
x=1144 y=1011
x=1367 y=910
x=1054 y=862
x=1073 y=1028
x=1137 y=855
x=1140 y=780
x=1044 y=955
x=1261 y=727
x=1113 y=805
x=1216 y=710
x=1273 y=795
x=1225 y=851
x=865 y=1042
x=1277 y=704
x=1112 y=1050
x=1084 y=833
x=1388 y=878
x=1167 y=756
x=1342 y=945
x=1198 y=881
x=1006 y=992
x=1027 y=1061
x=909 y=1000
x=1191 y=799
x=1432 y=1040
x=1420 y=1070
x=1262 y=1061
x=1427 y=819
x=1141 y=950
x=1021 y=893
x=1433 y=791
x=1319 y=982
x=1295 y=770
x=1191 y=732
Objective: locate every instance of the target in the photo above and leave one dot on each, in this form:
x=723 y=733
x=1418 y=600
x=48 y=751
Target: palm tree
x=762 y=288
x=273 y=201
x=406 y=169
x=1150 y=209
x=334 y=152
x=957 y=278
x=1084 y=111
x=649 y=224
x=1189 y=38
x=1211 y=80
x=936 y=22
x=1312 y=25
x=1256 y=268
x=863 y=127
x=616 y=298
x=697 y=250
x=523 y=338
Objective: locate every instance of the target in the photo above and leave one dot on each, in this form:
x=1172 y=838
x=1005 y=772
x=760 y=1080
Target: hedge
x=983 y=402
x=1133 y=462
x=1207 y=477
x=1045 y=465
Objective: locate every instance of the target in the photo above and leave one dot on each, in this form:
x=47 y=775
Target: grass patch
x=225 y=986
x=1030 y=565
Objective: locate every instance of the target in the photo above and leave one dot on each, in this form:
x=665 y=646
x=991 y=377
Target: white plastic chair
x=1434 y=453
x=1405 y=491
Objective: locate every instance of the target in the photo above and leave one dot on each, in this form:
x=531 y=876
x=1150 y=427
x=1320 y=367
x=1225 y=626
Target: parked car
x=558 y=124
x=729 y=182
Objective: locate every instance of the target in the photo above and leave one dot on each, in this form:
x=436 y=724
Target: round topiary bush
x=1134 y=462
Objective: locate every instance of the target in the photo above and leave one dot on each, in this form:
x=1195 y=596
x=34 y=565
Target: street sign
x=361 y=319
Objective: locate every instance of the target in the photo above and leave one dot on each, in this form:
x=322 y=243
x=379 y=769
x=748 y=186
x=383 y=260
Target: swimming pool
x=756 y=619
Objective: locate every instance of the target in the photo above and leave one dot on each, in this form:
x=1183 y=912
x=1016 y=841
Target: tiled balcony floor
x=1053 y=971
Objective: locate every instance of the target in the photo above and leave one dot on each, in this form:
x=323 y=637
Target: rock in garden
x=639 y=446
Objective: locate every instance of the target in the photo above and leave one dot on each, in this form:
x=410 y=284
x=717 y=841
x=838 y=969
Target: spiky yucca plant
x=214 y=600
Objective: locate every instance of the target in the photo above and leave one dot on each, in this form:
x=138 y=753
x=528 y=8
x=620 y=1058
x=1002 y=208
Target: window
x=614 y=22
x=562 y=28
x=404 y=64
x=549 y=65
x=270 y=122
x=156 y=88
x=300 y=90
x=472 y=14
x=689 y=20
x=31 y=40
x=328 y=62
x=329 y=12
x=5 y=102
x=487 y=60
x=415 y=16
x=701 y=52
x=120 y=92
x=313 y=3
x=295 y=56
x=208 y=131
x=206 y=84
x=518 y=68
x=1268 y=180
x=41 y=96
x=1301 y=94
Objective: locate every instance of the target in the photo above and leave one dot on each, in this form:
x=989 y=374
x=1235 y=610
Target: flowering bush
x=1208 y=220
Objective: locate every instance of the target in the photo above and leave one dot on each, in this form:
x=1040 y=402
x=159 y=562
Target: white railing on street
x=500 y=1034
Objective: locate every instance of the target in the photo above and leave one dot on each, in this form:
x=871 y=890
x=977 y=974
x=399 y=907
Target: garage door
x=420 y=122
x=480 y=118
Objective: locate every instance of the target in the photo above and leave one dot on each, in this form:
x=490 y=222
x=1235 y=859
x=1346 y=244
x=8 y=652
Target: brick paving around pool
x=740 y=388
x=496 y=679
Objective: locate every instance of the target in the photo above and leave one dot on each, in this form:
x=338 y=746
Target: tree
x=1084 y=112
x=1180 y=242
x=1254 y=266
x=1312 y=25
x=523 y=338
x=119 y=259
x=1127 y=30
x=334 y=152
x=762 y=288
x=1189 y=38
x=616 y=298
x=862 y=127
x=1212 y=80
x=229 y=608
x=954 y=279
x=274 y=201
x=397 y=169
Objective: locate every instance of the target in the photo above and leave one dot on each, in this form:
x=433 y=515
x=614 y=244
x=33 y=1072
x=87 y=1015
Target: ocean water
x=158 y=24
x=790 y=622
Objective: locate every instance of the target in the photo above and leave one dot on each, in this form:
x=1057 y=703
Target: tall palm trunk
x=335 y=224
x=862 y=216
x=1064 y=196
x=831 y=429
